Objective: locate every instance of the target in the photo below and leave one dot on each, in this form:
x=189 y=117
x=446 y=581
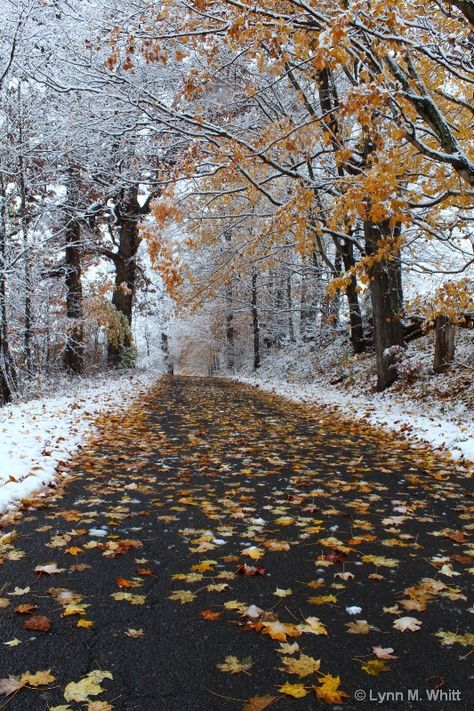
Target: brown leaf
x=38 y=623
x=259 y=703
x=25 y=609
x=248 y=570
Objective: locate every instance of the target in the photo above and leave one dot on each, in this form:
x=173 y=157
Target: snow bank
x=35 y=436
x=405 y=418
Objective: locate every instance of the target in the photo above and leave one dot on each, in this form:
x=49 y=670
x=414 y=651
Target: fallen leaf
x=380 y=560
x=280 y=630
x=210 y=614
x=249 y=570
x=374 y=667
x=12 y=642
x=182 y=596
x=286 y=648
x=87 y=624
x=40 y=678
x=279 y=592
x=20 y=591
x=359 y=627
x=384 y=652
x=448 y=638
x=129 y=597
x=329 y=691
x=134 y=634
x=232 y=665
x=49 y=569
x=312 y=625
x=259 y=703
x=38 y=623
x=298 y=691
x=25 y=608
x=124 y=583
x=88 y=686
x=302 y=665
x=253 y=552
x=407 y=624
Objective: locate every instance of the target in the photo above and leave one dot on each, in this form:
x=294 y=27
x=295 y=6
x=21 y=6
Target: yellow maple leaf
x=329 y=691
x=88 y=686
x=85 y=623
x=312 y=625
x=302 y=665
x=232 y=665
x=182 y=596
x=374 y=667
x=322 y=599
x=281 y=630
x=204 y=567
x=74 y=609
x=253 y=552
x=380 y=560
x=129 y=597
x=295 y=690
x=448 y=638
x=40 y=678
x=74 y=550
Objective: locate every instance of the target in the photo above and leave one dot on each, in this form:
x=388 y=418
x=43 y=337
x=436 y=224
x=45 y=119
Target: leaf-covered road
x=221 y=549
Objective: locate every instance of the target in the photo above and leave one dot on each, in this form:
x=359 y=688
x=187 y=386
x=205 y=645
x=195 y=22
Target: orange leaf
x=210 y=615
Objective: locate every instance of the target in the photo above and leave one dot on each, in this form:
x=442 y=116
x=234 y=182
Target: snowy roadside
x=408 y=418
x=37 y=435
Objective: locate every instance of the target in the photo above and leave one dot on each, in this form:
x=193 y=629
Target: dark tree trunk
x=387 y=304
x=444 y=344
x=128 y=216
x=73 y=357
x=255 y=324
x=28 y=324
x=230 y=333
x=289 y=301
x=7 y=370
x=229 y=318
x=166 y=354
x=355 y=315
x=74 y=351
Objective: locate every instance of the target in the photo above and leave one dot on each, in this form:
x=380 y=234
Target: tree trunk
x=74 y=350
x=289 y=302
x=7 y=370
x=355 y=315
x=387 y=305
x=28 y=323
x=166 y=354
x=444 y=345
x=128 y=214
x=255 y=324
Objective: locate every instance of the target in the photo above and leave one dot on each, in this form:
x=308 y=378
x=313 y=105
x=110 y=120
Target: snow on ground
x=36 y=436
x=437 y=409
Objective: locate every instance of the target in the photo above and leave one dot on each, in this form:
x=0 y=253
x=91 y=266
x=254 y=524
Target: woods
x=272 y=174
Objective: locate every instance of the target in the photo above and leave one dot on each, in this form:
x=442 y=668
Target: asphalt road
x=175 y=497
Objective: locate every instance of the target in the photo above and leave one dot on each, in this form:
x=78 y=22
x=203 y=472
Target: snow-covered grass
x=437 y=409
x=37 y=435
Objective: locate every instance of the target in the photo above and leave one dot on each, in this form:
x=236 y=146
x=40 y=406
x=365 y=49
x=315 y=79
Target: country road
x=220 y=549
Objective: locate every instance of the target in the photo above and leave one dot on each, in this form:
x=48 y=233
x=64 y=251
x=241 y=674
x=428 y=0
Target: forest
x=225 y=180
